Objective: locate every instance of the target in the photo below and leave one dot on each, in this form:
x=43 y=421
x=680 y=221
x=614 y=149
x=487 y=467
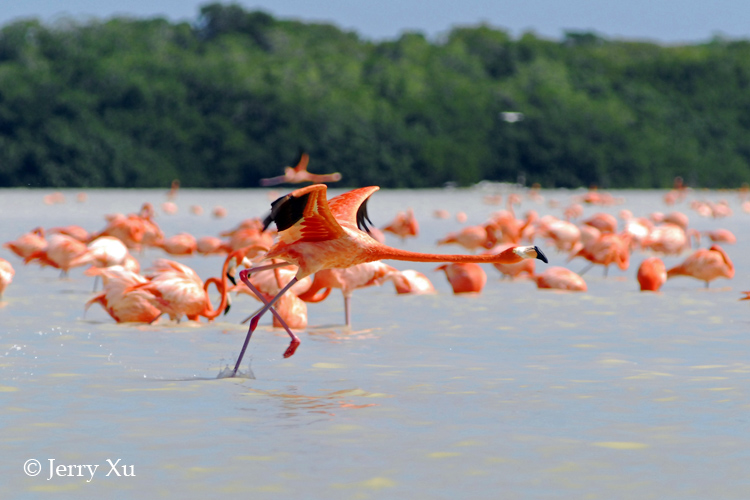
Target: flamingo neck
x=507 y=256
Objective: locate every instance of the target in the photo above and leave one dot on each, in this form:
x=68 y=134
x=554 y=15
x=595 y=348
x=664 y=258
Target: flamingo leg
x=257 y=292
x=591 y=264
x=268 y=305
x=348 y=310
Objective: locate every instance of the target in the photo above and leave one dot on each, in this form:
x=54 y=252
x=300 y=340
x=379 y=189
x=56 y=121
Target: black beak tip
x=540 y=255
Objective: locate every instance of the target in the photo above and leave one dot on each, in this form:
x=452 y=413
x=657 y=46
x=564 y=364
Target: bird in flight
x=315 y=233
x=299 y=174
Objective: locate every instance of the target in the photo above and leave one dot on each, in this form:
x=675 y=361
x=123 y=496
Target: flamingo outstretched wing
x=304 y=215
x=350 y=209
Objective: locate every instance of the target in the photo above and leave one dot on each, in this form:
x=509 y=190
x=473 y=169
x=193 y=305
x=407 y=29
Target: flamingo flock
x=309 y=244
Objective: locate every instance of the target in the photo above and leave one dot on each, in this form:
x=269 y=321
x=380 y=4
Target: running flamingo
x=652 y=274
x=6 y=275
x=464 y=277
x=299 y=174
x=705 y=264
x=316 y=234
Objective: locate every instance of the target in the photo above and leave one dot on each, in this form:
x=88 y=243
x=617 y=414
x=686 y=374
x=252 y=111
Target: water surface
x=513 y=393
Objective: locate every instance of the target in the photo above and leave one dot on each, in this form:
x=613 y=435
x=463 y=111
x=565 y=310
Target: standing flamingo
x=316 y=234
x=28 y=243
x=299 y=174
x=705 y=264
x=348 y=279
x=652 y=274
x=6 y=275
x=63 y=252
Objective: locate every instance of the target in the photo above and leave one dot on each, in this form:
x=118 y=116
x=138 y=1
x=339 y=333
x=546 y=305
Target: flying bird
x=299 y=174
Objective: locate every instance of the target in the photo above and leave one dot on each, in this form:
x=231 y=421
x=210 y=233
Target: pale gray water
x=515 y=393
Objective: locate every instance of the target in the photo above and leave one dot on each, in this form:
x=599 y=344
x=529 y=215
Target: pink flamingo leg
x=268 y=305
x=295 y=340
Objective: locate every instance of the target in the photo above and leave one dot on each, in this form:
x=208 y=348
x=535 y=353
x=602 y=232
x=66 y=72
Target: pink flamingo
x=560 y=278
x=652 y=274
x=721 y=236
x=28 y=243
x=471 y=238
x=404 y=225
x=299 y=174
x=705 y=264
x=413 y=282
x=316 y=234
x=514 y=270
x=348 y=279
x=62 y=252
x=464 y=277
x=6 y=275
x=179 y=244
x=121 y=297
x=608 y=249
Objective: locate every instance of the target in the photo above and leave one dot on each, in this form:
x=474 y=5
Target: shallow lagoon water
x=513 y=393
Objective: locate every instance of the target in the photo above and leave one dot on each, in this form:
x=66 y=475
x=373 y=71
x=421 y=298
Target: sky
x=660 y=21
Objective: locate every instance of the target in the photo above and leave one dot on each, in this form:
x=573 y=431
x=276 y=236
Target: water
x=514 y=393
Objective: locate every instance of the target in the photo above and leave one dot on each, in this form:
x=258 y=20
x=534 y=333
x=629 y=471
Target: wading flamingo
x=6 y=275
x=560 y=278
x=705 y=264
x=652 y=274
x=412 y=282
x=404 y=225
x=28 y=243
x=63 y=252
x=299 y=174
x=464 y=277
x=316 y=234
x=348 y=280
x=123 y=302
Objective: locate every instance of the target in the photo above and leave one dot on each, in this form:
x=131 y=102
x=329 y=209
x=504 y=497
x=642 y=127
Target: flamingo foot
x=293 y=345
x=254 y=322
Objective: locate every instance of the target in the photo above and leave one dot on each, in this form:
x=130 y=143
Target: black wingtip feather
x=286 y=211
x=362 y=217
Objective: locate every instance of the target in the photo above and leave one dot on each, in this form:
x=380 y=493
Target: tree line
x=229 y=98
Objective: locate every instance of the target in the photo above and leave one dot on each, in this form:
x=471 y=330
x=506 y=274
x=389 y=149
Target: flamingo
x=348 y=279
x=669 y=239
x=471 y=238
x=605 y=223
x=208 y=245
x=28 y=243
x=413 y=282
x=76 y=232
x=721 y=236
x=63 y=252
x=608 y=249
x=316 y=234
x=6 y=275
x=404 y=225
x=121 y=298
x=299 y=174
x=652 y=274
x=705 y=264
x=179 y=244
x=464 y=277
x=560 y=278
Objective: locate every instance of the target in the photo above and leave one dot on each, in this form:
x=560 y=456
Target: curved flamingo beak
x=540 y=255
